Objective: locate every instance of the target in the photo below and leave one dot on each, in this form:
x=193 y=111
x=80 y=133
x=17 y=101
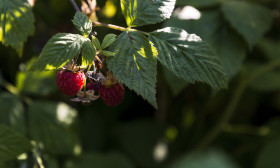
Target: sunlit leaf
x=82 y=23
x=16 y=23
x=134 y=64
x=143 y=12
x=212 y=28
x=88 y=53
x=59 y=50
x=188 y=57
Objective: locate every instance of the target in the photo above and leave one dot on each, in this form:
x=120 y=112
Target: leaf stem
x=111 y=26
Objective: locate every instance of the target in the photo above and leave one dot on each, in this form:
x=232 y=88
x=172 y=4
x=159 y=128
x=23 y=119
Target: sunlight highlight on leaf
x=16 y=23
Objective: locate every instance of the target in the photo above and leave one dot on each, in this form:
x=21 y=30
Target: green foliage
x=36 y=83
x=109 y=160
x=59 y=50
x=252 y=27
x=271 y=49
x=209 y=159
x=270 y=80
x=53 y=124
x=96 y=43
x=266 y=82
x=108 y=53
x=12 y=144
x=16 y=23
x=108 y=40
x=82 y=23
x=144 y=12
x=198 y=3
x=212 y=28
x=188 y=57
x=134 y=64
x=269 y=156
x=88 y=53
x=12 y=112
x=242 y=120
x=133 y=136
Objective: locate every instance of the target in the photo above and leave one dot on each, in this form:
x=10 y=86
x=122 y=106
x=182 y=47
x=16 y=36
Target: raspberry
x=112 y=95
x=69 y=83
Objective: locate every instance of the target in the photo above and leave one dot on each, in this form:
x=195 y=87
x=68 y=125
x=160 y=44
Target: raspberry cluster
x=70 y=83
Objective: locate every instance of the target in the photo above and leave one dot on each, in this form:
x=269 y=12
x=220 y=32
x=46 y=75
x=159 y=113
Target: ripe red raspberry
x=69 y=83
x=112 y=95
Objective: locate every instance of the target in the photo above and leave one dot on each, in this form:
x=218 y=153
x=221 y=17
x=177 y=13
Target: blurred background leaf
x=209 y=159
x=269 y=155
x=12 y=112
x=12 y=144
x=35 y=83
x=53 y=125
x=108 y=160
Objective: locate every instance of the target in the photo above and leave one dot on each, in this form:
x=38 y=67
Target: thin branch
x=74 y=4
x=117 y=27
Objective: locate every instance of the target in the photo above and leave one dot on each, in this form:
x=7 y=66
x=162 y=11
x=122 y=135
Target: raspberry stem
x=111 y=26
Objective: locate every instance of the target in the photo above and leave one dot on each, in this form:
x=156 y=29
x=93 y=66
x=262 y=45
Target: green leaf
x=12 y=112
x=143 y=12
x=108 y=53
x=96 y=43
x=36 y=83
x=59 y=50
x=134 y=64
x=108 y=40
x=209 y=159
x=54 y=125
x=12 y=144
x=109 y=160
x=249 y=19
x=88 y=53
x=228 y=45
x=198 y=3
x=188 y=57
x=82 y=23
x=269 y=156
x=16 y=23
